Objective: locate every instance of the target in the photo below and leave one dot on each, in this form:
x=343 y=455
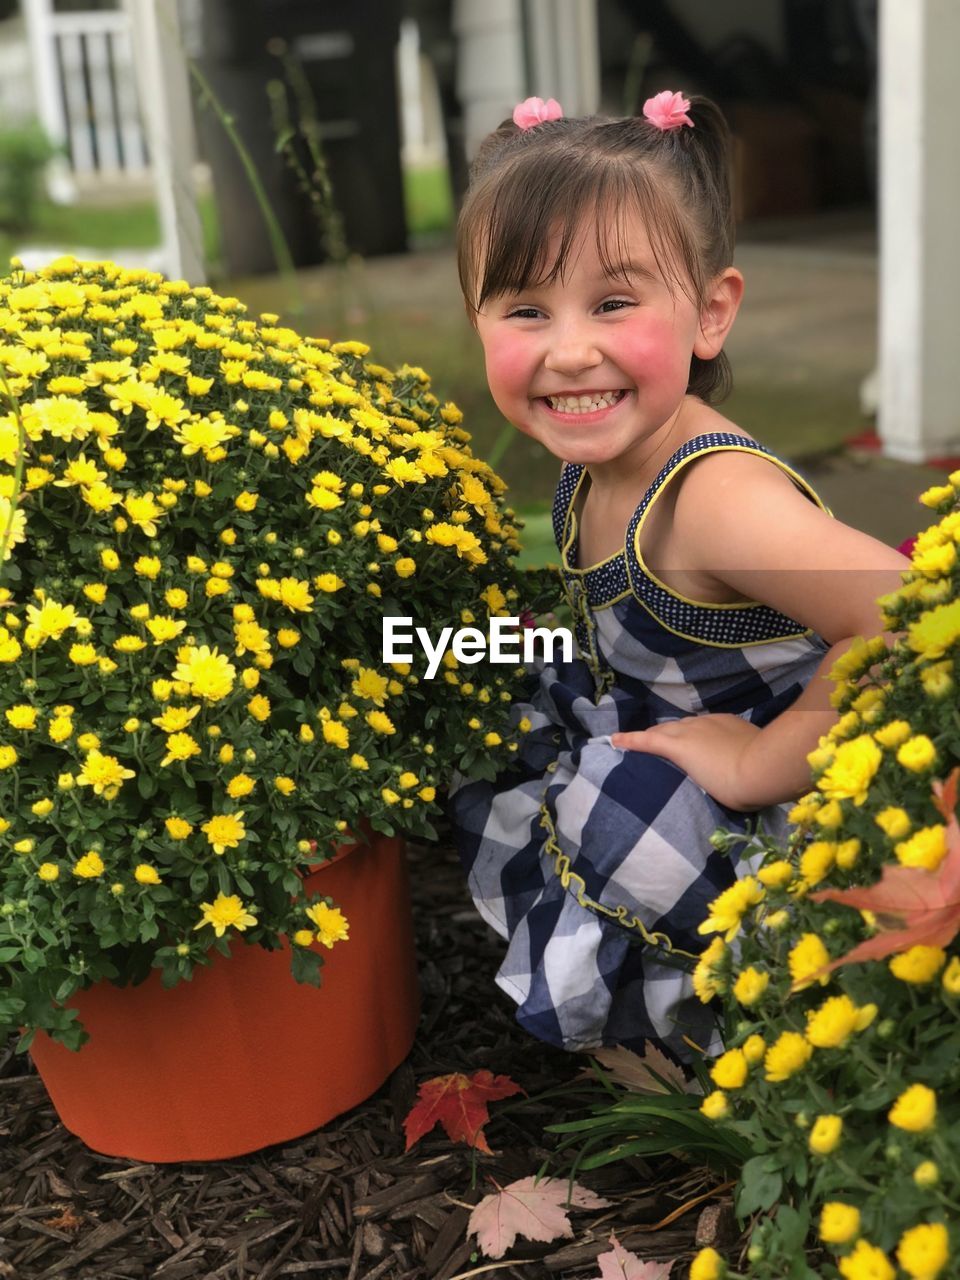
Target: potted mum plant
x=838 y=967
x=206 y=518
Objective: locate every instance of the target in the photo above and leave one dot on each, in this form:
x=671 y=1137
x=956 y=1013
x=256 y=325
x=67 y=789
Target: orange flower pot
x=243 y=1056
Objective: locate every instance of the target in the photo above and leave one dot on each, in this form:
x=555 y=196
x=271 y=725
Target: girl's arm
x=741 y=520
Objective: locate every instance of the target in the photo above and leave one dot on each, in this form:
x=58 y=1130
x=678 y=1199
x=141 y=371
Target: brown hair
x=526 y=185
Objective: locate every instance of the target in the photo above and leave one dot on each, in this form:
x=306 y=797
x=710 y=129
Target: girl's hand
x=711 y=749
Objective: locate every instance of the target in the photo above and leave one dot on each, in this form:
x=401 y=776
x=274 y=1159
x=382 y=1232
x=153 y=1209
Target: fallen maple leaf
x=459 y=1103
x=912 y=906
x=621 y=1264
x=651 y=1072
x=535 y=1210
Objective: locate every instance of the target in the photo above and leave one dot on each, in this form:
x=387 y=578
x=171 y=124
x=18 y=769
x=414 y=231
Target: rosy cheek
x=508 y=367
x=654 y=352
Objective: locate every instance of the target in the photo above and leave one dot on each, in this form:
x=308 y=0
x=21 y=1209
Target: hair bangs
x=534 y=210
x=541 y=209
x=624 y=193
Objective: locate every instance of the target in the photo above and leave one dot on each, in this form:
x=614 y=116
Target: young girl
x=712 y=589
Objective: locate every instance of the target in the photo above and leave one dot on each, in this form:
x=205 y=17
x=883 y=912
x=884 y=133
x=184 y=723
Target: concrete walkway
x=811 y=314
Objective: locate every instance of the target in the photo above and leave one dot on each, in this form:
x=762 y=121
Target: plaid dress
x=596 y=863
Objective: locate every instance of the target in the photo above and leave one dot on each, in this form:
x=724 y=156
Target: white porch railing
x=100 y=103
x=85 y=89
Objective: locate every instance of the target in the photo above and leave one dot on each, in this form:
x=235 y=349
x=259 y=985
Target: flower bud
x=926 y=1174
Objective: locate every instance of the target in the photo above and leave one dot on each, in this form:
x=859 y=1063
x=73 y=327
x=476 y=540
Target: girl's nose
x=572 y=352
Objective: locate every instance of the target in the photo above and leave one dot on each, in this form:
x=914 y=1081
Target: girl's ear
x=720 y=307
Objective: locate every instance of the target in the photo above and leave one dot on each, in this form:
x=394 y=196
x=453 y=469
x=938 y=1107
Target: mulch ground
x=346 y=1202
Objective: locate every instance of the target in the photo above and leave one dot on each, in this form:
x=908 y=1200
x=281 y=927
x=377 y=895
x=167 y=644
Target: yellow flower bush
x=204 y=519
x=852 y=1112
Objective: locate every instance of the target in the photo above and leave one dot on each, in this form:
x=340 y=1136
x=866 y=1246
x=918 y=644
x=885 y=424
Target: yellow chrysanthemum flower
x=866 y=1262
x=380 y=722
x=924 y=1250
x=825 y=1134
x=207 y=673
x=103 y=773
x=730 y=1070
x=918 y=965
x=225 y=912
x=832 y=1025
x=750 y=986
x=806 y=959
x=90 y=867
x=788 y=1054
x=331 y=924
x=180 y=747
x=22 y=716
x=708 y=979
x=225 y=831
x=915 y=1110
x=727 y=911
x=851 y=771
x=917 y=753
x=839 y=1223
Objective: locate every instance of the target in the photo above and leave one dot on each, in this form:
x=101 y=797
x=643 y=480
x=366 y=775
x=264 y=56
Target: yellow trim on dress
x=621 y=914
x=566 y=540
x=624 y=595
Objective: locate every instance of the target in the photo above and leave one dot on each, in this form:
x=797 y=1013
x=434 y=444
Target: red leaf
x=459 y=1103
x=912 y=906
x=536 y=1210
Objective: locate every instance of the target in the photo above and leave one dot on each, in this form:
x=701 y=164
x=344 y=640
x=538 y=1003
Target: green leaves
x=761 y=1182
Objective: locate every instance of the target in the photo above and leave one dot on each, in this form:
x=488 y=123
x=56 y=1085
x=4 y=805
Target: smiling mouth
x=588 y=403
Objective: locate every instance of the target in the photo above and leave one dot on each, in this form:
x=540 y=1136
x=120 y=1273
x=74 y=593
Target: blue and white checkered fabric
x=594 y=863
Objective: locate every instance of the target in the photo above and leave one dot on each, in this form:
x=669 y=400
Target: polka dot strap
x=719 y=624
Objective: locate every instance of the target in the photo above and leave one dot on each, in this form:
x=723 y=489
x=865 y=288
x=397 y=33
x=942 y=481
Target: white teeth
x=584 y=404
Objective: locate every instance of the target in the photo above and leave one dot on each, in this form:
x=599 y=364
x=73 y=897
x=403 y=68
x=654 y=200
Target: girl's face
x=593 y=366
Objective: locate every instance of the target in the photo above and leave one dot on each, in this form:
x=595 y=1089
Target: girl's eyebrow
x=626 y=269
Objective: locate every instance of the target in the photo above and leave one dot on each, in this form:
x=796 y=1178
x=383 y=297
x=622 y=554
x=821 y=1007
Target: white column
x=509 y=50
x=490 y=72
x=565 y=53
x=38 y=16
x=919 y=408
x=164 y=90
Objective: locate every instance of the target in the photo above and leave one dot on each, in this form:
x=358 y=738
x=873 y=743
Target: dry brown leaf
x=535 y=1210
x=639 y=1073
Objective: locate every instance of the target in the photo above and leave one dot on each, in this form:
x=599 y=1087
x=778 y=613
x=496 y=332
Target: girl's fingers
x=637 y=740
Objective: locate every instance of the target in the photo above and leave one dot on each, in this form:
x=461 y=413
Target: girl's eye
x=615 y=304
x=523 y=313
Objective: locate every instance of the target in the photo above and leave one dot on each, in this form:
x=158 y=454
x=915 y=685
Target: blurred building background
x=359 y=118
x=396 y=84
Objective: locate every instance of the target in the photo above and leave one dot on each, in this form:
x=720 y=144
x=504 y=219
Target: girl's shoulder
x=717 y=459
x=717 y=474
x=760 y=530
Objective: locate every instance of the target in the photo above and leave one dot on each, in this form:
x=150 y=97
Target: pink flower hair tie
x=535 y=111
x=667 y=111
